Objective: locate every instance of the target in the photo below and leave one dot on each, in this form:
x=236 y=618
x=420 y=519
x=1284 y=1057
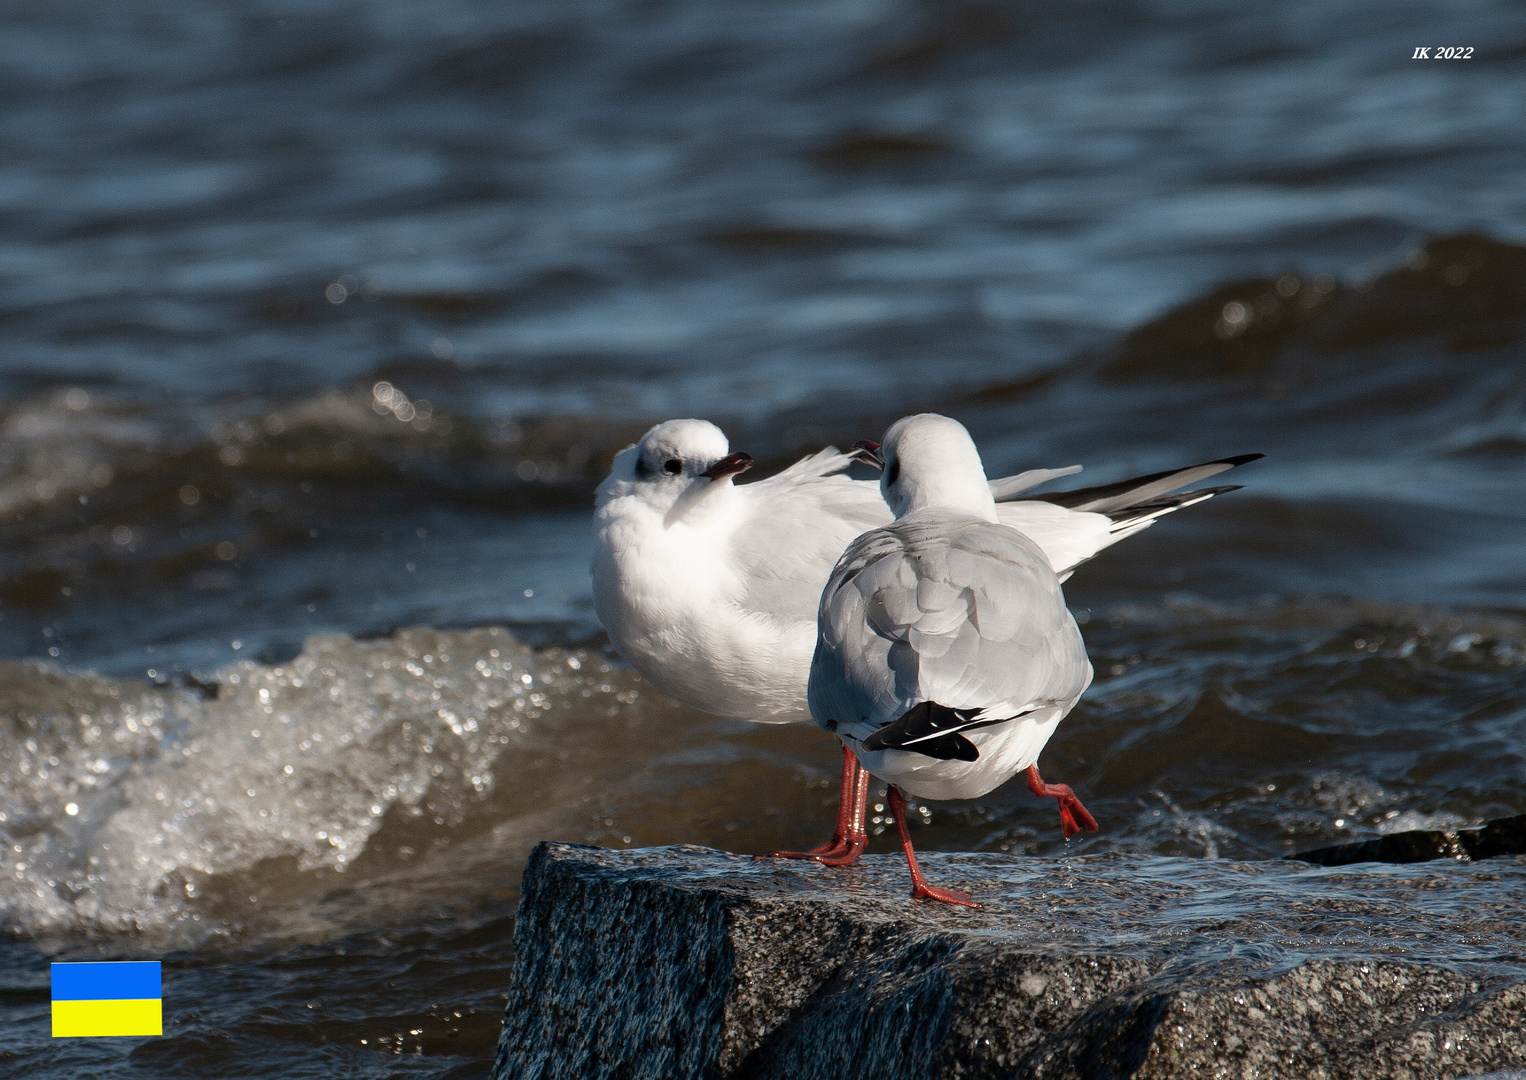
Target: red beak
x=868 y=451
x=729 y=465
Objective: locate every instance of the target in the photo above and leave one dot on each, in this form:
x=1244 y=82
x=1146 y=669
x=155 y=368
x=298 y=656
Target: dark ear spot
x=893 y=473
x=674 y=466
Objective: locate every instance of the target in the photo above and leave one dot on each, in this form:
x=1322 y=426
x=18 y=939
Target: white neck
x=953 y=493
x=701 y=502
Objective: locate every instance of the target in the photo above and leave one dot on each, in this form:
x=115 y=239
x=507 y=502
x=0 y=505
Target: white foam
x=299 y=764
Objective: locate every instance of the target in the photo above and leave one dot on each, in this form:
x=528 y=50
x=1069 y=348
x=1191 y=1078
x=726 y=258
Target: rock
x=1502 y=836
x=686 y=962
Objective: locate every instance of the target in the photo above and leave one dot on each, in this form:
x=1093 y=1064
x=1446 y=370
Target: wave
x=294 y=798
x=71 y=448
x=1465 y=292
x=91 y=456
x=130 y=807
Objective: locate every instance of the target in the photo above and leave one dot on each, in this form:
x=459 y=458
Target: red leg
x=1073 y=816
x=920 y=889
x=849 y=839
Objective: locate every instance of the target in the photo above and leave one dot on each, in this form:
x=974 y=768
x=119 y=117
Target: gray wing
x=967 y=614
x=800 y=522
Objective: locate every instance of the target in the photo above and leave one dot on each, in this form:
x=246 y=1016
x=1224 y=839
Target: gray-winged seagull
x=709 y=589
x=945 y=654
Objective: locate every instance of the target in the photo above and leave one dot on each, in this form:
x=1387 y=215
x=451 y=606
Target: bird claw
x=921 y=891
x=846 y=856
x=837 y=853
x=1074 y=818
x=849 y=839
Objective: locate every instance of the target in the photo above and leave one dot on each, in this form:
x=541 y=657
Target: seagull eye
x=893 y=473
x=674 y=465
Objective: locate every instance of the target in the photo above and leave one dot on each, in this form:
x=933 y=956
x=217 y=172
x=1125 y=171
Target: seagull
x=709 y=589
x=945 y=654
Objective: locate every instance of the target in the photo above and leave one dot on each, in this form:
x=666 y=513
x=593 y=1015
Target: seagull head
x=673 y=466
x=931 y=461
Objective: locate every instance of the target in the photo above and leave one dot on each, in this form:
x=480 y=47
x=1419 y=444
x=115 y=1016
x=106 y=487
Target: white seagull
x=945 y=654
x=710 y=589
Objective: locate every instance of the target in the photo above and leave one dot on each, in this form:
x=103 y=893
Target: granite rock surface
x=1503 y=836
x=687 y=962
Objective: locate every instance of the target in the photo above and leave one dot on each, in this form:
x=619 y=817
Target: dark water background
x=325 y=318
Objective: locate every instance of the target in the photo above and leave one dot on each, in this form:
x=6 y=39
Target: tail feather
x=1144 y=513
x=1112 y=499
x=936 y=731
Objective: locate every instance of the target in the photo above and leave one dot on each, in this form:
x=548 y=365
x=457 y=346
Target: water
x=321 y=321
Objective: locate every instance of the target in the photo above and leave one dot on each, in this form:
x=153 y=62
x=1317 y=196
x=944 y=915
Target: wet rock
x=1503 y=836
x=686 y=962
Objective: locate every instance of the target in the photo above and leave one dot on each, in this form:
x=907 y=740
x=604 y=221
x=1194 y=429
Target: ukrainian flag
x=107 y=999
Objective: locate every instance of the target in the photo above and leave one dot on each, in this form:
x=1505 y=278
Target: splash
x=130 y=807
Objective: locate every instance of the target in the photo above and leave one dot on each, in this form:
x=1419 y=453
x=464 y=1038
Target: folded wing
x=967 y=615
x=799 y=522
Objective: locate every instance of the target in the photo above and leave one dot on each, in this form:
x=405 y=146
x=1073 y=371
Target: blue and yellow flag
x=107 y=999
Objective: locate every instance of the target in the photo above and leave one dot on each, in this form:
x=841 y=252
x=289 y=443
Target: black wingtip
x=1164 y=505
x=1114 y=499
x=918 y=731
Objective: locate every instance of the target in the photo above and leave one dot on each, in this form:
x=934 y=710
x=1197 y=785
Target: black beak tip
x=729 y=465
x=868 y=451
